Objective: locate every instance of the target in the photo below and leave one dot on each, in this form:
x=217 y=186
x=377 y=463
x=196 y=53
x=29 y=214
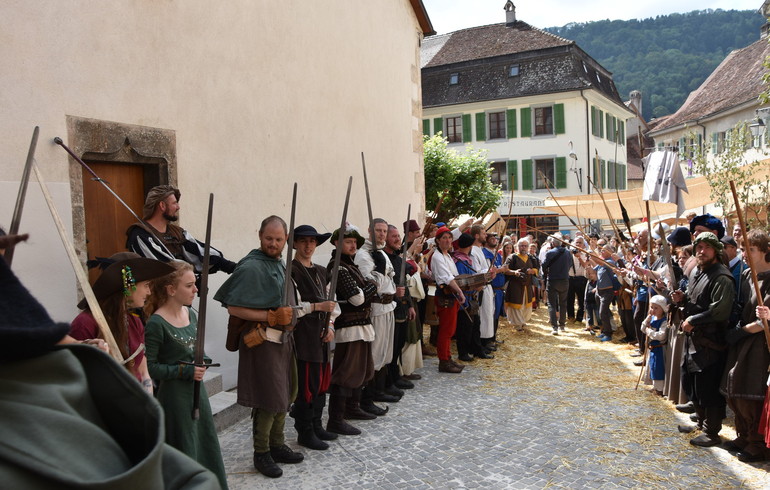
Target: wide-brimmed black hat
x=111 y=280
x=26 y=329
x=307 y=230
x=710 y=222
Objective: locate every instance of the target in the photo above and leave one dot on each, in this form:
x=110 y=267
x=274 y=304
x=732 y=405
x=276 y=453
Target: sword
x=337 y=258
x=16 y=220
x=402 y=272
x=369 y=206
x=287 y=283
x=200 y=337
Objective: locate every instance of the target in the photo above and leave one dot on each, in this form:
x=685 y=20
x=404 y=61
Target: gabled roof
x=482 y=57
x=736 y=81
x=489 y=41
x=422 y=17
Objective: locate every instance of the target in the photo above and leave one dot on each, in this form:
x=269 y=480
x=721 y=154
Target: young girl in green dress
x=170 y=338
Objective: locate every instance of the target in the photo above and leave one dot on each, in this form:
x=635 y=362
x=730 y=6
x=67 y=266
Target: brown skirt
x=353 y=365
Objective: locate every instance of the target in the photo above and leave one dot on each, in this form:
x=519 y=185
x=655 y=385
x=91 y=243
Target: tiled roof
x=493 y=40
x=635 y=169
x=737 y=80
x=482 y=56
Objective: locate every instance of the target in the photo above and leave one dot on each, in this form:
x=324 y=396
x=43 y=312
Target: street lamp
x=757 y=129
x=574 y=168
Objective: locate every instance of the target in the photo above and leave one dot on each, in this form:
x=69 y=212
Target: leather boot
x=353 y=408
x=336 y=422
x=448 y=367
x=303 y=421
x=318 y=408
x=380 y=395
x=458 y=366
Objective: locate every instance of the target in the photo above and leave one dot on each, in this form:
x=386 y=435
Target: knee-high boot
x=353 y=408
x=337 y=422
x=319 y=403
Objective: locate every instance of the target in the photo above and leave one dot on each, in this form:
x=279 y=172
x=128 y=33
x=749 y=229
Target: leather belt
x=385 y=299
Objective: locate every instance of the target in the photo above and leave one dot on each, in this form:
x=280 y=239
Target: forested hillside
x=665 y=57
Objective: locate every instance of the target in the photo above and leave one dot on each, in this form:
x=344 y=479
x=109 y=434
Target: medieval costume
x=710 y=295
x=73 y=417
x=176 y=243
x=267 y=377
x=519 y=293
x=167 y=347
x=743 y=381
x=313 y=354
x=353 y=366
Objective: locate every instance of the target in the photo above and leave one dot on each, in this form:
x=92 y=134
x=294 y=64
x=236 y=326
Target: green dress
x=167 y=345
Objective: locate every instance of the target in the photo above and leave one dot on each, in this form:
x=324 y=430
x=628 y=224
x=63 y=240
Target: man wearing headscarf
x=158 y=237
x=707 y=305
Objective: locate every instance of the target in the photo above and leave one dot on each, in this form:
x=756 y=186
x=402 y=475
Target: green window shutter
x=426 y=127
x=608 y=122
x=682 y=149
x=467 y=128
x=513 y=175
x=601 y=124
x=714 y=142
x=622 y=127
x=603 y=174
x=481 y=126
x=561 y=172
x=623 y=182
x=558 y=118
x=438 y=125
x=526 y=122
x=594 y=126
x=510 y=121
x=526 y=174
x=700 y=142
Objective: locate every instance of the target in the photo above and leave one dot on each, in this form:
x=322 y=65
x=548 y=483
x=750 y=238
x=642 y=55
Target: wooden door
x=106 y=218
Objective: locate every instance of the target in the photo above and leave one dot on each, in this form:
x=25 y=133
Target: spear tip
x=57 y=140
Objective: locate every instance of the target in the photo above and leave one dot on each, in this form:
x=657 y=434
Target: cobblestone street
x=546 y=412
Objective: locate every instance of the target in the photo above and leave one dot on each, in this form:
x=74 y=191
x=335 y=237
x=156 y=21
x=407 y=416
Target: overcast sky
x=452 y=15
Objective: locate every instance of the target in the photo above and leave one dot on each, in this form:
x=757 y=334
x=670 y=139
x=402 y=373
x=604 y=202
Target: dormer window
x=513 y=71
x=454 y=78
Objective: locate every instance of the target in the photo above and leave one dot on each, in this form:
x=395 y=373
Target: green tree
x=463 y=178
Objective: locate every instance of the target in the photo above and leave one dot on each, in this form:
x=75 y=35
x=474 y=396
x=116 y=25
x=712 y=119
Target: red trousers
x=447 y=324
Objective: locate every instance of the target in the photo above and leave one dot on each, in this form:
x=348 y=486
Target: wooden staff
x=429 y=219
x=545 y=179
x=644 y=361
x=604 y=202
x=623 y=212
x=614 y=268
x=505 y=229
x=93 y=304
x=754 y=281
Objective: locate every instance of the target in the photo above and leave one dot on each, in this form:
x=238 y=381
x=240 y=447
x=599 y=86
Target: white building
x=531 y=99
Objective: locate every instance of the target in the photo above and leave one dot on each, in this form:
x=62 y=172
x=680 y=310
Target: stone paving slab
x=542 y=414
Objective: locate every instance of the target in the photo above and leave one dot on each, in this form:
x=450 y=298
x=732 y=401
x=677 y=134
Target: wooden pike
x=614 y=268
x=754 y=281
x=604 y=202
x=429 y=219
x=547 y=187
x=93 y=304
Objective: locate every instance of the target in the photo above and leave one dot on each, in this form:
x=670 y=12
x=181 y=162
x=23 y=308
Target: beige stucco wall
x=260 y=94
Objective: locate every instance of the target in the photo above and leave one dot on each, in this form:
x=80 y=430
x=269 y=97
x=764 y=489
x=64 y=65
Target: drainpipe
x=588 y=149
x=588 y=142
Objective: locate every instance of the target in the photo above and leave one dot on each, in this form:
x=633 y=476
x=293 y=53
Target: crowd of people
x=682 y=297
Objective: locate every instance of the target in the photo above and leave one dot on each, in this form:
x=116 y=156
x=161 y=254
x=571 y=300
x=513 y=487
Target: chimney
x=636 y=99
x=510 y=13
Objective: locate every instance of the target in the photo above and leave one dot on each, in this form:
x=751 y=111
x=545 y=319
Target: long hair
x=159 y=289
x=116 y=313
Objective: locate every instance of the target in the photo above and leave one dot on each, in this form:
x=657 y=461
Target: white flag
x=663 y=179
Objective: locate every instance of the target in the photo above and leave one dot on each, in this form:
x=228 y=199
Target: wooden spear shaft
x=547 y=187
x=93 y=304
x=749 y=260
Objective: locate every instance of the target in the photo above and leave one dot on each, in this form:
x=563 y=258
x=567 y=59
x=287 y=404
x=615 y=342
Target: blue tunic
x=657 y=354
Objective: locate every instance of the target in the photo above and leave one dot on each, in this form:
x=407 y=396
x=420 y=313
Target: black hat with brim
x=307 y=230
x=111 y=280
